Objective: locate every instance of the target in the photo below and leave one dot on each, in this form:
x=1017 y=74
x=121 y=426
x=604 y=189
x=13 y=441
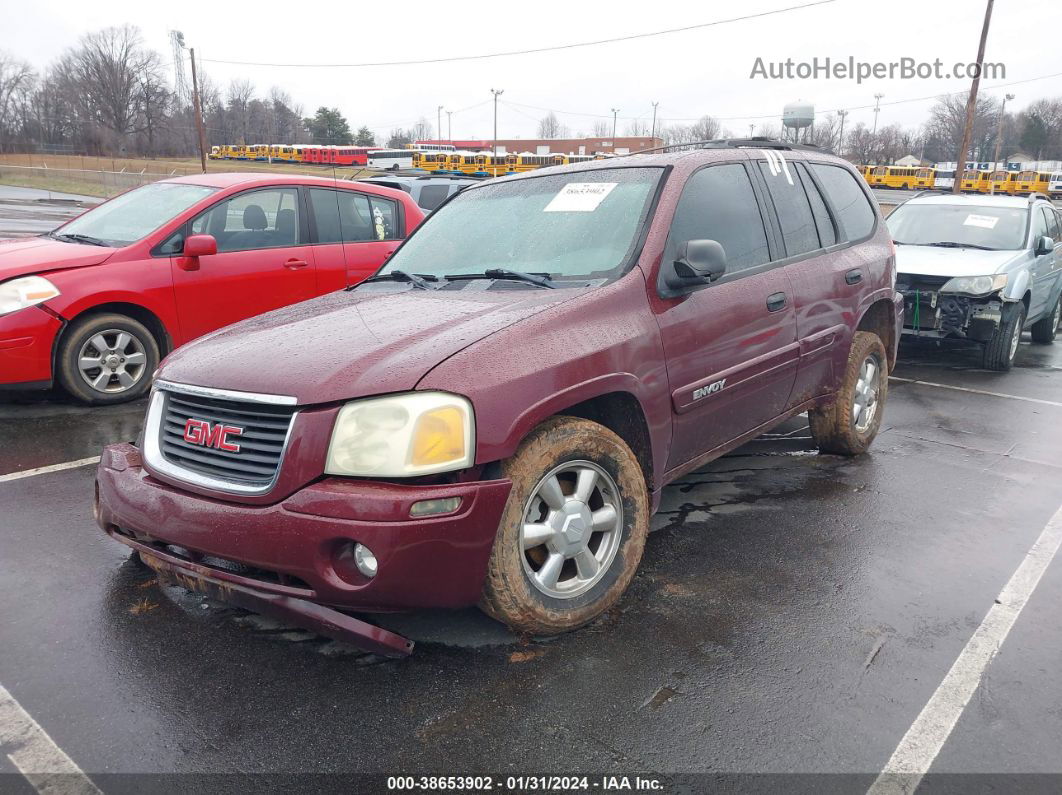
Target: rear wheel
x=107 y=359
x=1003 y=347
x=573 y=530
x=1045 y=329
x=848 y=424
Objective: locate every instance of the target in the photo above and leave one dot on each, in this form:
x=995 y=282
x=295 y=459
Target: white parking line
x=28 y=473
x=975 y=391
x=919 y=747
x=35 y=754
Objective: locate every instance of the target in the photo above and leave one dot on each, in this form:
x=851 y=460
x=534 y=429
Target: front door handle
x=854 y=276
x=295 y=264
x=775 y=301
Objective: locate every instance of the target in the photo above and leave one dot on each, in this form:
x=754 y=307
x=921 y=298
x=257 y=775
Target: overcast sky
x=690 y=73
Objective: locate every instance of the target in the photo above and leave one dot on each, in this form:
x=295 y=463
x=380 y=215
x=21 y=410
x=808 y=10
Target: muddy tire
x=107 y=358
x=1000 y=351
x=1045 y=329
x=573 y=530
x=848 y=424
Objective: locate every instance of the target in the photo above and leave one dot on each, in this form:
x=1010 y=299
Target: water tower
x=798 y=122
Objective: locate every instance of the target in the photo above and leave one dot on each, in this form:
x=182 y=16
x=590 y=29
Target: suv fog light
x=432 y=507
x=365 y=560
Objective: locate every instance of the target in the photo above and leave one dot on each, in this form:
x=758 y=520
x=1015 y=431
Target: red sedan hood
x=31 y=255
x=377 y=339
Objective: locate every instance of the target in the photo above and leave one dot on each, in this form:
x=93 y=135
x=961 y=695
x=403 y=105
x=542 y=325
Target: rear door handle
x=775 y=301
x=854 y=276
x=295 y=264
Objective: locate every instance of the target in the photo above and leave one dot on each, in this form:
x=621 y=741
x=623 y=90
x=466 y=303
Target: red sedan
x=95 y=304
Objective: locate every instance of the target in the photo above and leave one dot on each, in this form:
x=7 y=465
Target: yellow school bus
x=432 y=161
x=215 y=153
x=902 y=177
x=1026 y=182
x=974 y=181
x=1002 y=182
x=877 y=175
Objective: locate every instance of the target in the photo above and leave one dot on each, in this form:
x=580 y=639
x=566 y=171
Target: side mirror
x=200 y=246
x=1045 y=245
x=700 y=262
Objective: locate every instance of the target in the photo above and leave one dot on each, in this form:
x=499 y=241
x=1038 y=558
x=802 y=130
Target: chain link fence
x=79 y=181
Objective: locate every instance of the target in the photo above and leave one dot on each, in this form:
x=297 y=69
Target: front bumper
x=27 y=337
x=935 y=315
x=301 y=547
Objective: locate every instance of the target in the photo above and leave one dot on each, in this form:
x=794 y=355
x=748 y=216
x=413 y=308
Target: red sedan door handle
x=295 y=264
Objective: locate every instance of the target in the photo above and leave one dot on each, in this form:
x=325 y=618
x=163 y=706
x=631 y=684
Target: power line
x=507 y=53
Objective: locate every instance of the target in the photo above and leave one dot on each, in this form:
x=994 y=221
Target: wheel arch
x=880 y=318
x=139 y=313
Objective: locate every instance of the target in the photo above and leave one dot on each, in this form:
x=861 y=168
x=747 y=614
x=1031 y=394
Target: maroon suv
x=491 y=418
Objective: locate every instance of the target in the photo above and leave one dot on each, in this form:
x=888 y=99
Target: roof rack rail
x=734 y=143
x=1036 y=195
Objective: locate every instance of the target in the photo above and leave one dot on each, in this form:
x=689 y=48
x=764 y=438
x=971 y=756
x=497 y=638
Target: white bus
x=944 y=180
x=426 y=147
x=1054 y=185
x=391 y=159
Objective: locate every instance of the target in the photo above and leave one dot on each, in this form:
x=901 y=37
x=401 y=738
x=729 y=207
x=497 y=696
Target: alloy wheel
x=112 y=361
x=865 y=400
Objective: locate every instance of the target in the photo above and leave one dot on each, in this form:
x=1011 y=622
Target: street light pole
x=999 y=131
x=438 y=115
x=653 y=135
x=840 y=134
x=877 y=110
x=971 y=103
x=449 y=126
x=497 y=93
x=615 y=111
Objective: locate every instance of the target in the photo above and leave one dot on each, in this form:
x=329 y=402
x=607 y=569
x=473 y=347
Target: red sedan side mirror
x=200 y=246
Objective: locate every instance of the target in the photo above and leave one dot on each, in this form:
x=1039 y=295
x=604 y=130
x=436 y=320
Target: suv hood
x=32 y=255
x=344 y=345
x=950 y=262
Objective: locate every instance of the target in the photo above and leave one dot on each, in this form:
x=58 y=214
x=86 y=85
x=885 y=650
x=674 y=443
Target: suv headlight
x=416 y=433
x=975 y=285
x=27 y=291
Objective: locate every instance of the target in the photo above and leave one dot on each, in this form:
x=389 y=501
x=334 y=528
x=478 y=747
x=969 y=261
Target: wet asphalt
x=793 y=614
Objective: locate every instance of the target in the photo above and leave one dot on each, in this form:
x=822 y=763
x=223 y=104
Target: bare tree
x=422 y=130
x=237 y=111
x=602 y=129
x=706 y=128
x=549 y=126
x=16 y=76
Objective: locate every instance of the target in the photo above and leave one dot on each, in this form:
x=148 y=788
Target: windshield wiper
x=540 y=279
x=953 y=244
x=76 y=238
x=416 y=279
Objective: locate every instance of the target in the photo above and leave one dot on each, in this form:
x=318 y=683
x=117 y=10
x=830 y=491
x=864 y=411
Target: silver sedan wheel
x=865 y=402
x=1015 y=338
x=571 y=530
x=1057 y=317
x=112 y=361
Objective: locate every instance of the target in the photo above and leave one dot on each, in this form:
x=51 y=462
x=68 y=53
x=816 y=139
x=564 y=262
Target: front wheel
x=848 y=424
x=572 y=532
x=107 y=358
x=1045 y=329
x=1003 y=347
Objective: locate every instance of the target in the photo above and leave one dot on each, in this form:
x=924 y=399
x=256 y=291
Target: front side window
x=136 y=214
x=257 y=219
x=1052 y=223
x=792 y=207
x=718 y=203
x=576 y=225
x=848 y=199
x=959 y=225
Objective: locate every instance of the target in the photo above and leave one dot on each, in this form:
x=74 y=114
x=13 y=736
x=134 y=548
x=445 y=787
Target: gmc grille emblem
x=202 y=433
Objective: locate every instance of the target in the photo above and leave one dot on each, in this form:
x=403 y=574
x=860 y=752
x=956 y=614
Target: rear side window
x=718 y=203
x=431 y=196
x=823 y=220
x=384 y=219
x=852 y=205
x=792 y=208
x=341 y=216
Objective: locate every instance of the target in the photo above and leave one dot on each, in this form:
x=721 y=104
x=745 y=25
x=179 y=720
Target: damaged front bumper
x=931 y=314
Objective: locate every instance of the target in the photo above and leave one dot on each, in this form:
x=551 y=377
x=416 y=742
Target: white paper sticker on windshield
x=580 y=197
x=983 y=221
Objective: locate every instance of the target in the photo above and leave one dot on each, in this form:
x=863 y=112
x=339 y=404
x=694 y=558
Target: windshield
x=577 y=225
x=981 y=227
x=136 y=214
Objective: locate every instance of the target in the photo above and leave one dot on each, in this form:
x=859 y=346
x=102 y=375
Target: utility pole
x=840 y=135
x=752 y=130
x=653 y=135
x=497 y=93
x=971 y=103
x=438 y=127
x=450 y=126
x=197 y=108
x=877 y=110
x=615 y=111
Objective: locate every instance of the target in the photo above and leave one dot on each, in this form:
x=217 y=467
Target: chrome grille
x=264 y=433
